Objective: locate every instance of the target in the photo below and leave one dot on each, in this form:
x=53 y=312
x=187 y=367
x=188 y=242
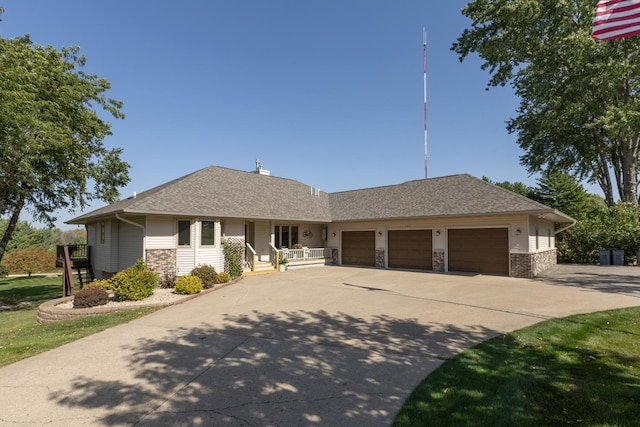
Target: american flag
x=616 y=19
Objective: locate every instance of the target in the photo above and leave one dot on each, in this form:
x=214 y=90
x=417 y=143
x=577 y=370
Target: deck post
x=67 y=277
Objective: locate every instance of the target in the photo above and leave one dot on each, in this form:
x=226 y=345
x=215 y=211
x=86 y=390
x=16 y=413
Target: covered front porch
x=272 y=246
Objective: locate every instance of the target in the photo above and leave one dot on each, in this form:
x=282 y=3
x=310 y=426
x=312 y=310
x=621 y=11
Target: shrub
x=207 y=274
x=4 y=271
x=168 y=281
x=223 y=277
x=134 y=283
x=187 y=285
x=102 y=284
x=90 y=296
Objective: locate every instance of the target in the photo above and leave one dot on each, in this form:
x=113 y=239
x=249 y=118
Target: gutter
x=565 y=228
x=144 y=237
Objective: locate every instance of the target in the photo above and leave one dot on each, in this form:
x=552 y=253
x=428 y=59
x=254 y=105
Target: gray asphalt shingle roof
x=456 y=195
x=228 y=193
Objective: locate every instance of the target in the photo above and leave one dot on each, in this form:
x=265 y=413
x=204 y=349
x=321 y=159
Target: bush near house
x=224 y=277
x=134 y=283
x=90 y=296
x=207 y=274
x=102 y=284
x=188 y=285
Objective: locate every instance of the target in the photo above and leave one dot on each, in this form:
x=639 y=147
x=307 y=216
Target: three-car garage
x=477 y=250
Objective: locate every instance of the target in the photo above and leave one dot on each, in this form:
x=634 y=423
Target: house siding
x=130 y=243
x=161 y=232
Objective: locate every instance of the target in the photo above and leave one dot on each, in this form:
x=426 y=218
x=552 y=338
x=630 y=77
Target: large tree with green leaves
x=579 y=98
x=52 y=151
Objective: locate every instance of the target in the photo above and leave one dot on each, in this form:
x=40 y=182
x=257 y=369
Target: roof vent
x=260 y=168
x=315 y=192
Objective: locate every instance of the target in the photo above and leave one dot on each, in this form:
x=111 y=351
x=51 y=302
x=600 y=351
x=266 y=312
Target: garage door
x=359 y=248
x=479 y=250
x=410 y=249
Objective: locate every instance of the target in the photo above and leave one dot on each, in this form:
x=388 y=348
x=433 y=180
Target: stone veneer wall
x=162 y=261
x=528 y=265
x=438 y=261
x=380 y=258
x=334 y=256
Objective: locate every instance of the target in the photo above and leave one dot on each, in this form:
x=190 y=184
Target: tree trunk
x=629 y=161
x=11 y=226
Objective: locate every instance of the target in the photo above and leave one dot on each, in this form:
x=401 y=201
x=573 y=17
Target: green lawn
x=21 y=336
x=582 y=370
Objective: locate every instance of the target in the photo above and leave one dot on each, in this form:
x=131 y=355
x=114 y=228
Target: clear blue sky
x=329 y=93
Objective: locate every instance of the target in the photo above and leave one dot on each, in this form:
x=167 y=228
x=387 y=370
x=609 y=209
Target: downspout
x=144 y=235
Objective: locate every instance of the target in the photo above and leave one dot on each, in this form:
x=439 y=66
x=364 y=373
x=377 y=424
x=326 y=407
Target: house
x=452 y=223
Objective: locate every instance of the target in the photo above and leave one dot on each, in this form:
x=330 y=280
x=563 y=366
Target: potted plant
x=284 y=263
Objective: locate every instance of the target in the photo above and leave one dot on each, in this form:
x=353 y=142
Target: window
x=537 y=238
x=184 y=233
x=102 y=231
x=286 y=236
x=207 y=235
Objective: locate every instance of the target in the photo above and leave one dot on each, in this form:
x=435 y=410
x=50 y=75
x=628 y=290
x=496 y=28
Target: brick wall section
x=162 y=261
x=528 y=265
x=438 y=261
x=380 y=258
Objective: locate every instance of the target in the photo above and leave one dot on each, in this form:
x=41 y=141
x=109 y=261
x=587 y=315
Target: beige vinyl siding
x=310 y=235
x=104 y=254
x=542 y=242
x=130 y=244
x=161 y=232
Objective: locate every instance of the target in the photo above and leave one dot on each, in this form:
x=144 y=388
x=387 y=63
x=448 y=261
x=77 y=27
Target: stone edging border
x=47 y=311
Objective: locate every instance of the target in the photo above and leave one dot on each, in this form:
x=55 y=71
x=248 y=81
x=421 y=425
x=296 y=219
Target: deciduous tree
x=579 y=98
x=52 y=151
x=30 y=260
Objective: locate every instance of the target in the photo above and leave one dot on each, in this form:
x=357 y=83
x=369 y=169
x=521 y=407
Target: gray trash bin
x=605 y=256
x=617 y=257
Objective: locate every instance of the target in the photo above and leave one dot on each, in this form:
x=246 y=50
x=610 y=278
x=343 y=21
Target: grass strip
x=582 y=370
x=22 y=337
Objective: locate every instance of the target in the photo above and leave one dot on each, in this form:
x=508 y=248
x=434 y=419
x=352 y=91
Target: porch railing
x=306 y=254
x=274 y=255
x=250 y=257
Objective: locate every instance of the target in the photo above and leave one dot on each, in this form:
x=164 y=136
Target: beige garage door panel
x=410 y=249
x=359 y=248
x=479 y=250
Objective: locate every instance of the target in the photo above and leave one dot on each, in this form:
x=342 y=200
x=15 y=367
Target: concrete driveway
x=327 y=346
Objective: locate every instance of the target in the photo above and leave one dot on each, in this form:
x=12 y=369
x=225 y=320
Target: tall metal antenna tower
x=424 y=49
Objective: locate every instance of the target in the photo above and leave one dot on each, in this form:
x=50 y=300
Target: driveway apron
x=327 y=346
